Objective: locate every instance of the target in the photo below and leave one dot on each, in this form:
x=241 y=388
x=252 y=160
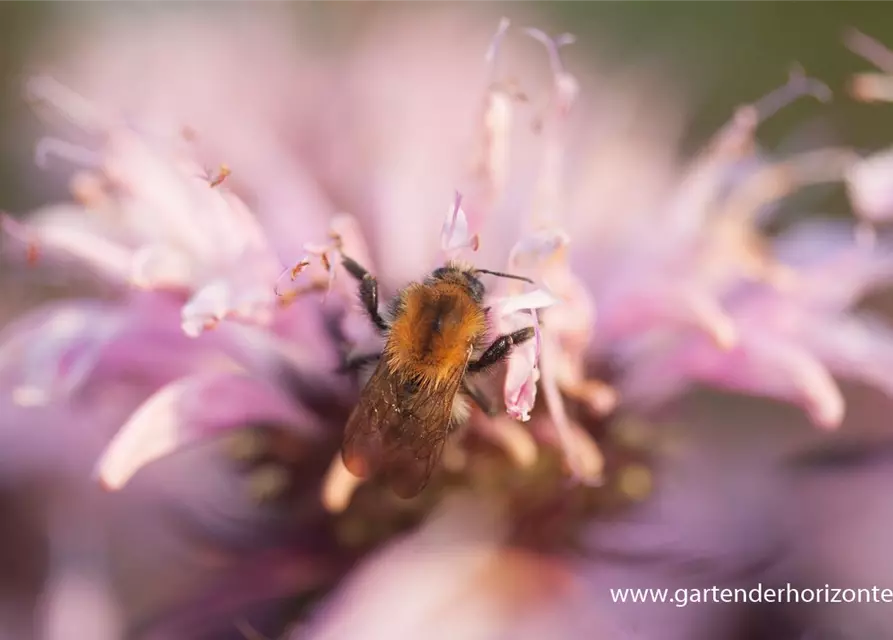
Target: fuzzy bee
x=420 y=388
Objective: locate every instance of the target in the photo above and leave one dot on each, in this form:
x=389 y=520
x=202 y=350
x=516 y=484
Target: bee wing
x=399 y=432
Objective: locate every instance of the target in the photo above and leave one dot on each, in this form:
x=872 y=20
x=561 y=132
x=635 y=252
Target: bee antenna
x=504 y=275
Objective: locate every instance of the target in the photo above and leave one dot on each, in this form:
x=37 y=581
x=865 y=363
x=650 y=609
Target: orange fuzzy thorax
x=434 y=332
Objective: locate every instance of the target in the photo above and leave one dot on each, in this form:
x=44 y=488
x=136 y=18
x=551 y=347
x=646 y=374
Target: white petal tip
x=725 y=336
x=110 y=485
x=338 y=486
x=827 y=416
x=30 y=396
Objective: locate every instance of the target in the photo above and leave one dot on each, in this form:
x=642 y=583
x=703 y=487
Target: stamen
x=293 y=272
x=867 y=47
x=222 y=174
x=329 y=257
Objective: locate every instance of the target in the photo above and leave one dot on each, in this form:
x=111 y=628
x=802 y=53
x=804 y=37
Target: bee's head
x=469 y=277
x=463 y=275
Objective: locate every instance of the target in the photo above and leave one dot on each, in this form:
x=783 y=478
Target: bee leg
x=357 y=361
x=500 y=349
x=368 y=290
x=479 y=398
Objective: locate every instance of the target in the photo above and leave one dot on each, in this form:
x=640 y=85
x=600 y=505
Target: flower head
x=639 y=273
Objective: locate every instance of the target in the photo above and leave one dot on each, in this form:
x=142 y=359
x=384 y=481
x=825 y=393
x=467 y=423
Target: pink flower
x=652 y=270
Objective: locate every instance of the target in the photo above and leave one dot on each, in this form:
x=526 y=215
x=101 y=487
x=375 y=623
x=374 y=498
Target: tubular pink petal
x=705 y=314
x=493 y=50
x=522 y=376
x=781 y=369
x=161 y=267
x=859 y=348
x=536 y=299
x=491 y=165
x=548 y=206
x=584 y=460
x=206 y=308
x=52 y=353
x=54 y=147
x=869 y=48
x=154 y=179
x=74 y=107
x=704 y=182
x=187 y=411
x=773 y=182
x=64 y=235
x=512 y=438
x=539 y=247
x=870 y=186
x=799 y=85
x=660 y=302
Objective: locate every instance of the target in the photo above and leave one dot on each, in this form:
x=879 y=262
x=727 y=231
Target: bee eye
x=474 y=285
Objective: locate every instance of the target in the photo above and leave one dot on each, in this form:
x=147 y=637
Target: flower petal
x=66 y=231
x=660 y=305
x=210 y=304
x=536 y=248
x=51 y=352
x=521 y=380
x=869 y=48
x=761 y=363
x=859 y=348
x=186 y=411
x=455 y=234
x=425 y=573
x=537 y=299
x=159 y=266
x=870 y=186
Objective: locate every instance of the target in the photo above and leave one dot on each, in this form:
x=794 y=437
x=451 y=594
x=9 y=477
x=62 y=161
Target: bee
x=420 y=389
